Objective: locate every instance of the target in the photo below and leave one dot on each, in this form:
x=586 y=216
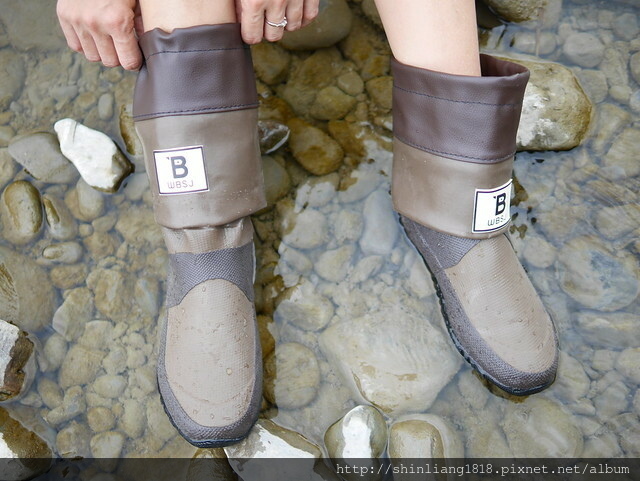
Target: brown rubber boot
x=454 y=145
x=195 y=109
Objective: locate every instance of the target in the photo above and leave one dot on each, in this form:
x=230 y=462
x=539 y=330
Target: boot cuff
x=472 y=119
x=194 y=70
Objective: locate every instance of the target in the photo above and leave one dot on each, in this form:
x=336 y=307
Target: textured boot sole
x=458 y=345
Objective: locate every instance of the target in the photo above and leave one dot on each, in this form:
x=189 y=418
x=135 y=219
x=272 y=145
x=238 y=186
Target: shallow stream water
x=334 y=242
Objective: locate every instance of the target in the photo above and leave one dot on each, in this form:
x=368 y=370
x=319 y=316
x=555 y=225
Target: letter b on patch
x=181 y=171
x=492 y=208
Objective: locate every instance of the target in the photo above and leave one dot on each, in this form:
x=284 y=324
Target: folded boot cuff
x=194 y=70
x=472 y=119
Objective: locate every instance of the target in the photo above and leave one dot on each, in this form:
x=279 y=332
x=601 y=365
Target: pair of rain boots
x=195 y=110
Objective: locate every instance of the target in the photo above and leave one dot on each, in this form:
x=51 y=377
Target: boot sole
x=207 y=443
x=458 y=345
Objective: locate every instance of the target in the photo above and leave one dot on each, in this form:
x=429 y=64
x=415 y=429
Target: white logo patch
x=181 y=171
x=492 y=208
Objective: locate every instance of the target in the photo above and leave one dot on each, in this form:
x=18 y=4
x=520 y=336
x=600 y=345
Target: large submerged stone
x=39 y=153
x=395 y=359
x=332 y=24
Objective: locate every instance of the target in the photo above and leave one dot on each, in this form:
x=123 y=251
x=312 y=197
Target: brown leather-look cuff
x=194 y=70
x=472 y=119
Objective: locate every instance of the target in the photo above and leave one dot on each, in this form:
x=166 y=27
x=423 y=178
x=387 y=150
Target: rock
x=370 y=10
x=594 y=84
x=334 y=265
x=332 y=24
x=49 y=392
x=306 y=230
x=313 y=149
x=7 y=167
x=617 y=221
x=518 y=10
x=292 y=376
x=268 y=440
x=110 y=386
x=572 y=383
x=73 y=405
x=618 y=162
x=276 y=180
x=347 y=225
x=113 y=292
x=634 y=66
x=39 y=154
x=331 y=103
x=138 y=227
x=628 y=364
x=21 y=212
x=583 y=49
x=136 y=186
x=317 y=191
x=380 y=225
x=365 y=47
x=596 y=276
x=68 y=277
x=398 y=367
x=55 y=350
x=626 y=26
x=272 y=135
x=539 y=427
x=64 y=252
x=361 y=433
x=26 y=454
x=100 y=419
x=420 y=436
x=271 y=62
x=147 y=295
x=303 y=307
x=12 y=77
x=107 y=445
x=105 y=106
x=538 y=252
x=366 y=268
x=535 y=43
x=556 y=113
x=17 y=362
x=27 y=297
x=90 y=201
x=60 y=221
x=133 y=420
x=96 y=156
x=615 y=330
x=350 y=83
x=379 y=89
x=73 y=441
x=157 y=421
x=80 y=366
x=611 y=119
x=77 y=309
x=128 y=133
x=33 y=25
x=612 y=399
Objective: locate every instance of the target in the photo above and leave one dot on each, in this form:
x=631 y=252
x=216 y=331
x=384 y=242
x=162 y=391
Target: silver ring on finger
x=280 y=24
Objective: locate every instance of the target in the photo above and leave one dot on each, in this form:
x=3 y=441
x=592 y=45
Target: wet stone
x=617 y=221
x=334 y=265
x=67 y=277
x=137 y=185
x=60 y=221
x=597 y=277
x=542 y=428
x=50 y=393
x=400 y=367
x=12 y=76
x=55 y=350
x=40 y=155
x=272 y=135
x=8 y=167
x=306 y=230
x=380 y=225
x=583 y=49
x=90 y=201
x=532 y=43
x=594 y=84
x=95 y=155
x=619 y=162
x=100 y=419
x=80 y=366
x=628 y=364
x=313 y=149
x=21 y=212
x=380 y=91
x=572 y=383
x=361 y=433
x=518 y=10
x=271 y=62
x=73 y=405
x=110 y=386
x=73 y=440
x=105 y=106
x=30 y=454
x=77 y=309
x=611 y=400
x=107 y=445
x=17 y=362
x=350 y=83
x=634 y=66
x=303 y=307
x=424 y=436
x=626 y=26
x=611 y=119
x=331 y=103
x=292 y=376
x=276 y=180
x=27 y=297
x=332 y=24
x=133 y=420
x=64 y=252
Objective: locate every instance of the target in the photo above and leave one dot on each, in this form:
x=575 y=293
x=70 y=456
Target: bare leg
x=438 y=35
x=170 y=14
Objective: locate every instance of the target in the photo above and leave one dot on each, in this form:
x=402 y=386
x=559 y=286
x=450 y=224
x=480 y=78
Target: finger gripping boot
x=454 y=144
x=195 y=109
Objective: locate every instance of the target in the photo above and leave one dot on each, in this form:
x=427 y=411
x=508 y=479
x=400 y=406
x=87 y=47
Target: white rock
x=50 y=392
x=133 y=419
x=107 y=446
x=333 y=265
x=306 y=230
x=614 y=330
x=366 y=268
x=347 y=225
x=73 y=405
x=305 y=308
x=55 y=350
x=17 y=362
x=100 y=419
x=64 y=252
x=628 y=364
x=393 y=358
x=380 y=225
x=77 y=309
x=94 y=154
x=361 y=433
x=110 y=386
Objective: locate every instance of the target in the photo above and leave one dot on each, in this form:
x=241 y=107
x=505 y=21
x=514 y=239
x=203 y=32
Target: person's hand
x=103 y=30
x=254 y=16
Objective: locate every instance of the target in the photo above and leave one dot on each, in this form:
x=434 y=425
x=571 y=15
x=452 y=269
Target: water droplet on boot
x=229 y=371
